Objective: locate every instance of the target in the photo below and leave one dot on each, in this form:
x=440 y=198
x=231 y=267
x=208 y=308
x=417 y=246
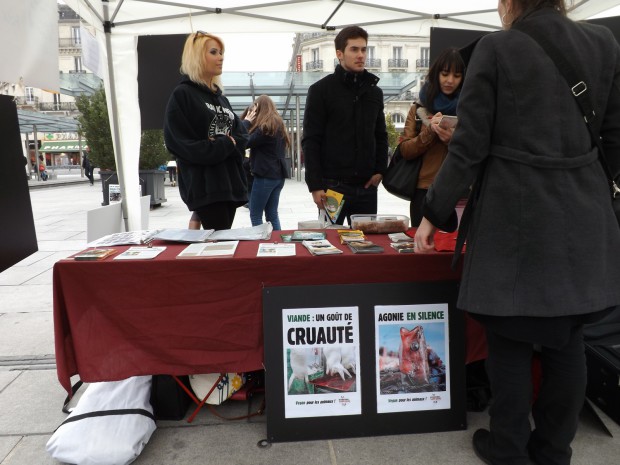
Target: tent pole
x=298 y=138
x=107 y=28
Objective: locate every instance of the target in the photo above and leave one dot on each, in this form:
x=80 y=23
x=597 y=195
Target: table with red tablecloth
x=119 y=318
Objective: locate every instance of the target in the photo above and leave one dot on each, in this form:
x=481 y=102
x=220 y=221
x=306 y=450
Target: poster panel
x=312 y=334
x=321 y=362
x=412 y=363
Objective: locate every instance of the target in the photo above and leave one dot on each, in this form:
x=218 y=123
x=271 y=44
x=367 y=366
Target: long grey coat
x=543 y=239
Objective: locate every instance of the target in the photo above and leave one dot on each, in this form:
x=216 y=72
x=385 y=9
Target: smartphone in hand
x=448 y=122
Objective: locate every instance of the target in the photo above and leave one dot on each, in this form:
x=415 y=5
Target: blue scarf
x=446 y=104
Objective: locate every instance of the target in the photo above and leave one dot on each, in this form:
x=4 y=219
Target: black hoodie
x=209 y=164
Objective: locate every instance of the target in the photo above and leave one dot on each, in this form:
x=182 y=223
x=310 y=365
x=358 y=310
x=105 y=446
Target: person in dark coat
x=543 y=243
x=205 y=136
x=345 y=143
x=88 y=169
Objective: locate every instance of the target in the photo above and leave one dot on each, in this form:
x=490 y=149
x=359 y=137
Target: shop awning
x=62 y=146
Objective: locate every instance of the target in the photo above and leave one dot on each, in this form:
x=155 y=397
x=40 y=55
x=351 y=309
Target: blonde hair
x=268 y=120
x=193 y=58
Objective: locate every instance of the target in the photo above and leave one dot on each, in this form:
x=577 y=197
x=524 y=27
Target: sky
x=257 y=51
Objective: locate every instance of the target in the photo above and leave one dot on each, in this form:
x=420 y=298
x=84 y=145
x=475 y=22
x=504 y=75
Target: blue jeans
x=265 y=197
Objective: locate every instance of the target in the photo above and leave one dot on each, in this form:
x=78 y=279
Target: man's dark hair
x=349 y=32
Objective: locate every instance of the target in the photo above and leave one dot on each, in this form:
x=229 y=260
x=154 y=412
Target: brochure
x=307 y=236
x=125 y=238
x=140 y=253
x=209 y=250
x=267 y=249
x=333 y=204
x=404 y=247
x=399 y=237
x=350 y=235
x=184 y=235
x=254 y=233
x=322 y=247
x=94 y=254
x=365 y=247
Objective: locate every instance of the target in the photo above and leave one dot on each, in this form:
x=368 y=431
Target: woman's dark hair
x=349 y=32
x=526 y=6
x=449 y=60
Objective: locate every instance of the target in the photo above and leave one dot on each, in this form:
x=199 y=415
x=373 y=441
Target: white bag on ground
x=110 y=425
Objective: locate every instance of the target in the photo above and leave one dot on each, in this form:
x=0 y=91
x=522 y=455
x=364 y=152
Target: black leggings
x=219 y=215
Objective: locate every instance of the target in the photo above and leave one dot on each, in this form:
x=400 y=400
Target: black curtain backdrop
x=18 y=239
x=159 y=60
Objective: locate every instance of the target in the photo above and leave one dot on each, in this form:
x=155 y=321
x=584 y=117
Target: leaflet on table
x=400 y=237
x=350 y=235
x=322 y=247
x=365 y=247
x=254 y=233
x=94 y=254
x=321 y=362
x=403 y=247
x=209 y=249
x=125 y=238
x=266 y=249
x=140 y=253
x=412 y=357
x=184 y=235
x=298 y=236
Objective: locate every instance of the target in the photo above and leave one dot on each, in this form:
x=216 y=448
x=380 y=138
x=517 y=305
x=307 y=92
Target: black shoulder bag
x=401 y=177
x=579 y=89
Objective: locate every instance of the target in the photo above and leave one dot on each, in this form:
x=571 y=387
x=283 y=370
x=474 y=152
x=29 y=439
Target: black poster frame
x=369 y=423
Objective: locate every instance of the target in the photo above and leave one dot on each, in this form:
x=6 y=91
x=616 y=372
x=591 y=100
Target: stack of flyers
x=404 y=247
x=350 y=235
x=322 y=247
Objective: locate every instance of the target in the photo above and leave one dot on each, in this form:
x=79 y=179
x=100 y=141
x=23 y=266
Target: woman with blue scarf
x=438 y=97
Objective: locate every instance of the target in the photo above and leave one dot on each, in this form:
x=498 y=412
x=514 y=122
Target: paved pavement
x=31 y=397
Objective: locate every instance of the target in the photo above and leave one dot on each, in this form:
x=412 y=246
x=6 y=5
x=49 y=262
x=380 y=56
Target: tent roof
x=415 y=17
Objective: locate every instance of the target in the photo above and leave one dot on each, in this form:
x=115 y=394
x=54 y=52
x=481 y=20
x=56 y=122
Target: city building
x=389 y=54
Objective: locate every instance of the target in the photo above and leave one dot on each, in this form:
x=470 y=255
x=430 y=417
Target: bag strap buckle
x=579 y=88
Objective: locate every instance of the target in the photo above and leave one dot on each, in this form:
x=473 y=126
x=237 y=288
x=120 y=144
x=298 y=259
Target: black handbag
x=401 y=176
x=579 y=89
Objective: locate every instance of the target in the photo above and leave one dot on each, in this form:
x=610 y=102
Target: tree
x=393 y=134
x=95 y=127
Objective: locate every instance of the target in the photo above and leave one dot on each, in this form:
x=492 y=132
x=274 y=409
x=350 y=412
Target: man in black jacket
x=345 y=140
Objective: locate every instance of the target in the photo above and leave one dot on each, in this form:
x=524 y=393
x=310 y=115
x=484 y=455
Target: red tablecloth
x=119 y=318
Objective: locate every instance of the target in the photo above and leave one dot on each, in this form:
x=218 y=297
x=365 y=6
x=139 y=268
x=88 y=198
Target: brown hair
x=526 y=6
x=349 y=32
x=268 y=120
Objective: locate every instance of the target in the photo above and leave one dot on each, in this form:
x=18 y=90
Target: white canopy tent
x=118 y=24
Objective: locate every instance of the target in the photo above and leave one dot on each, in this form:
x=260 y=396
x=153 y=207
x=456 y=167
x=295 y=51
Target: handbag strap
x=578 y=88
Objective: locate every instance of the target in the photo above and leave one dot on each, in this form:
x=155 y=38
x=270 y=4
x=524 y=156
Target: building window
x=56 y=102
x=315 y=54
x=397 y=53
x=78 y=64
x=29 y=94
x=425 y=53
x=398 y=118
x=370 y=53
x=76 y=39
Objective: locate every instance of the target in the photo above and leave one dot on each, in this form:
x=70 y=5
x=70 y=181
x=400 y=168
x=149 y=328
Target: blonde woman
x=205 y=136
x=268 y=142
